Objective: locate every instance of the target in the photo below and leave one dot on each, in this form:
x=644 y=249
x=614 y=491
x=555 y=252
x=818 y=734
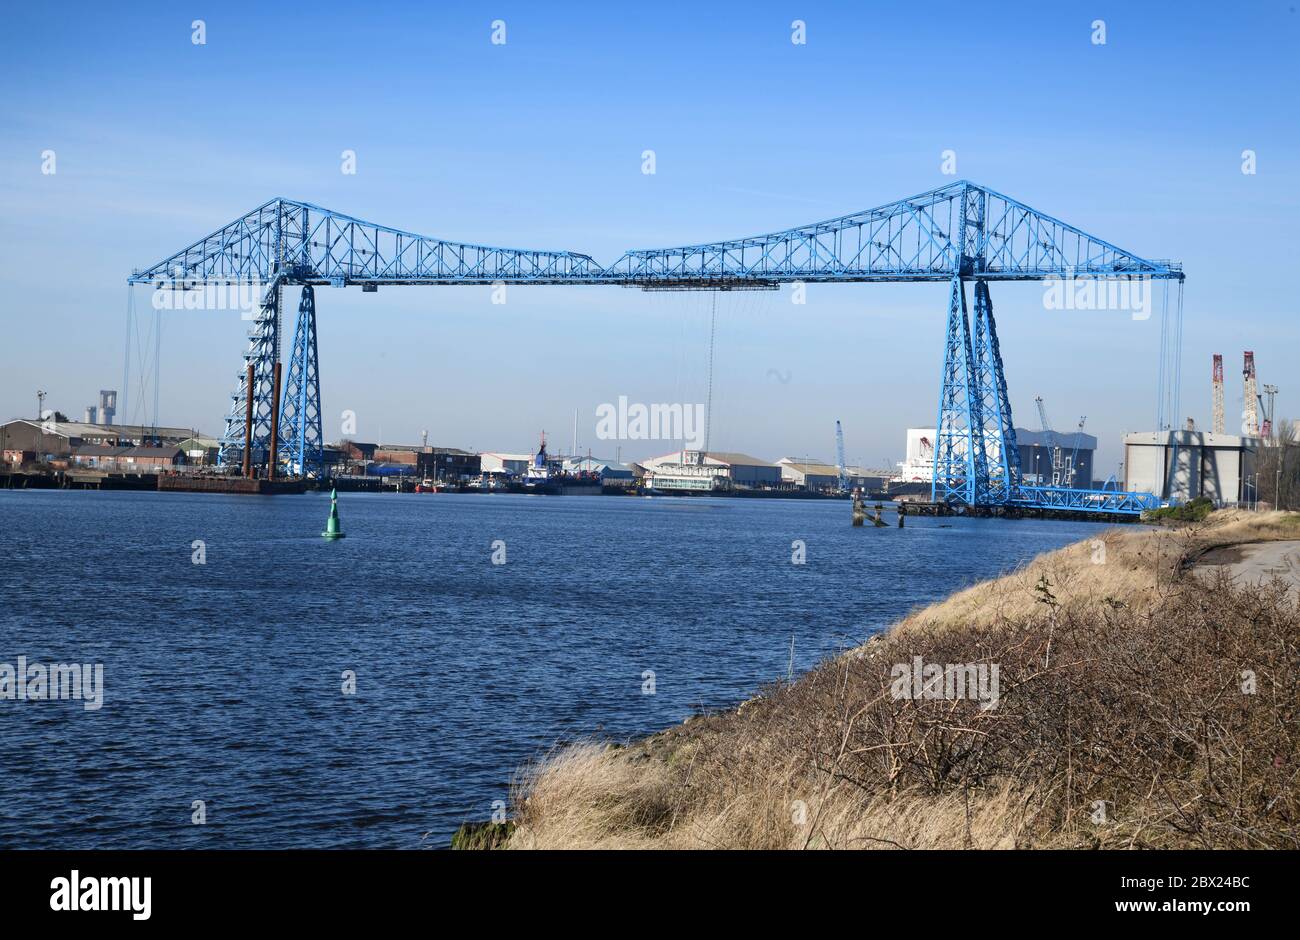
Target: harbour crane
x=1053 y=445
x=839 y=456
x=1074 y=454
x=1250 y=398
x=1266 y=429
x=1216 y=384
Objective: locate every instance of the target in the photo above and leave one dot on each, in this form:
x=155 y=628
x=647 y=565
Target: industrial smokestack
x=107 y=405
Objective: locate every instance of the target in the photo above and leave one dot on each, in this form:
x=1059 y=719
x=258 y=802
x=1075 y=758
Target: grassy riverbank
x=1136 y=707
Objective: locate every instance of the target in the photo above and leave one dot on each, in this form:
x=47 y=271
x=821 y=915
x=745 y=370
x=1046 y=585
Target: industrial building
x=49 y=439
x=427 y=462
x=1182 y=465
x=1049 y=458
x=698 y=471
x=816 y=476
x=508 y=464
x=606 y=470
x=127 y=459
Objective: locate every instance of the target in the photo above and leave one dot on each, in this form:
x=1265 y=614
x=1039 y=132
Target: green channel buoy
x=332 y=530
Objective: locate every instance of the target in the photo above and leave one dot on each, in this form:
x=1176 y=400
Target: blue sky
x=538 y=142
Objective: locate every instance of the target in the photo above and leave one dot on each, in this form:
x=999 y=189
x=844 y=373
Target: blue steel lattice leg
x=1001 y=452
x=263 y=352
x=301 y=439
x=959 y=466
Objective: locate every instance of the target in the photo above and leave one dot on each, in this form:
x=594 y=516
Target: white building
x=919 y=465
x=704 y=472
x=512 y=464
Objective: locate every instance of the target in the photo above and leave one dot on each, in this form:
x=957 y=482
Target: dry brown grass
x=1120 y=686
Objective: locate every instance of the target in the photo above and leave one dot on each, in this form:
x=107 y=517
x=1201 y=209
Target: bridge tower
x=301 y=442
x=1001 y=450
x=262 y=354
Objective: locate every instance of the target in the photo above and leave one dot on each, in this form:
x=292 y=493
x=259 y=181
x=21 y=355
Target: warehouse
x=1182 y=465
x=1055 y=459
x=816 y=476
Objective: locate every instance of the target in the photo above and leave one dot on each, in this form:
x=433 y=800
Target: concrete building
x=693 y=470
x=1182 y=465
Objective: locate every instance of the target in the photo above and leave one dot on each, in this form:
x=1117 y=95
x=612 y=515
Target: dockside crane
x=839 y=456
x=1054 y=446
x=1074 y=454
x=1271 y=392
x=1217 y=390
x=1250 y=398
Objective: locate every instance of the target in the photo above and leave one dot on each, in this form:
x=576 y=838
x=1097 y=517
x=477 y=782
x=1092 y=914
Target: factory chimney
x=107 y=405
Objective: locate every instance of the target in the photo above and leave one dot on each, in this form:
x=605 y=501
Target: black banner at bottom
x=339 y=888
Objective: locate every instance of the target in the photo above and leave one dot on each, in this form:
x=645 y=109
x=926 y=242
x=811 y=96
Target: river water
x=224 y=682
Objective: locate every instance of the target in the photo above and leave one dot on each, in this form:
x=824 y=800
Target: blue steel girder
x=307 y=244
x=1077 y=500
x=959 y=229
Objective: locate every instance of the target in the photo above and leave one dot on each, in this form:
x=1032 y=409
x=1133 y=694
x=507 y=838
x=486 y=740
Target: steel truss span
x=957 y=233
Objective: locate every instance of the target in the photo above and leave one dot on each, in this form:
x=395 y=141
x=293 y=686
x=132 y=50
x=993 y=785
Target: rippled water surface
x=223 y=680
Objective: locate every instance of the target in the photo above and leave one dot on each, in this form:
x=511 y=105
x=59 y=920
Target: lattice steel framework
x=957 y=233
x=263 y=352
x=301 y=440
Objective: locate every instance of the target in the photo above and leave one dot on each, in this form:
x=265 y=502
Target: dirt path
x=1255 y=563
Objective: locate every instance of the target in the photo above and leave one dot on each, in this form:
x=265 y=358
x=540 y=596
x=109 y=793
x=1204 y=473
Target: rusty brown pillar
x=248 y=426
x=275 y=420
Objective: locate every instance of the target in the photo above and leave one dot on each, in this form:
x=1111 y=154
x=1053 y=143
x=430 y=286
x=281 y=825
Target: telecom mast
x=1217 y=384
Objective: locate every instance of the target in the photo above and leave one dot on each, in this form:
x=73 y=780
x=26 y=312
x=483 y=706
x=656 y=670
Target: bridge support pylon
x=262 y=354
x=976 y=457
x=959 y=463
x=301 y=440
x=1001 y=451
